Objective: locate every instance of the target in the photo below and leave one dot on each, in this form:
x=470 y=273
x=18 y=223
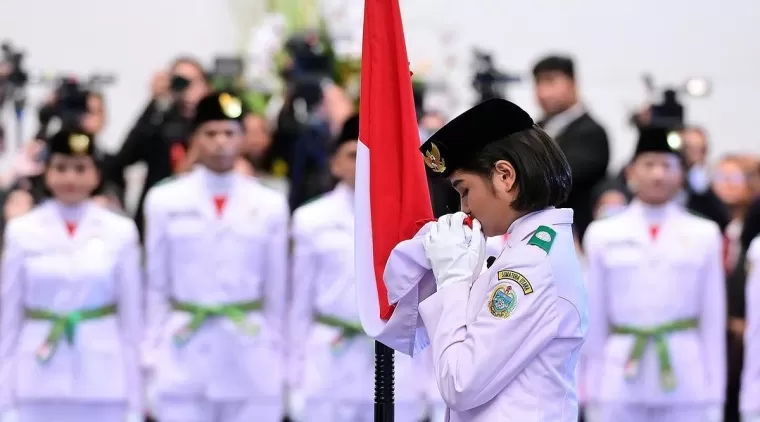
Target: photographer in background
x=314 y=109
x=159 y=138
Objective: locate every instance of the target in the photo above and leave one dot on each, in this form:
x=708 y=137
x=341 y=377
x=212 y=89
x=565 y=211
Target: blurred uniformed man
x=506 y=341
x=332 y=364
x=216 y=245
x=71 y=301
x=656 y=344
x=750 y=383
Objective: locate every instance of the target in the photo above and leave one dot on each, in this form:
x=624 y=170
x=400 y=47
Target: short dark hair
x=555 y=63
x=543 y=173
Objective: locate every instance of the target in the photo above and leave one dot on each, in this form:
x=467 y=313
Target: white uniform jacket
x=195 y=256
x=92 y=282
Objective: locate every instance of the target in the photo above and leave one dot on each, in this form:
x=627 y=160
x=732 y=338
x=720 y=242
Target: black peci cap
x=658 y=140
x=463 y=137
x=218 y=106
x=72 y=144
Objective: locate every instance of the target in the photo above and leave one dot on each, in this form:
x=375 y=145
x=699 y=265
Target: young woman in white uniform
x=70 y=305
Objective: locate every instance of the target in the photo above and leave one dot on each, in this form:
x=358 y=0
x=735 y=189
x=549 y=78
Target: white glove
x=151 y=392
x=9 y=416
x=296 y=405
x=439 y=412
x=592 y=413
x=456 y=252
x=714 y=413
x=135 y=417
x=751 y=417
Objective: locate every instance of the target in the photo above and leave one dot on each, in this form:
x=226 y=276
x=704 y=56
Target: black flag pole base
x=384 y=380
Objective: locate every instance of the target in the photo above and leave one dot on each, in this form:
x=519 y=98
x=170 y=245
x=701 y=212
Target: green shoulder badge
x=518 y=278
x=543 y=237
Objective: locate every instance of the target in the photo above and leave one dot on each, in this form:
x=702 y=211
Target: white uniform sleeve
x=11 y=313
x=712 y=326
x=474 y=362
x=157 y=274
x=130 y=315
x=592 y=352
x=304 y=265
x=750 y=393
x=275 y=277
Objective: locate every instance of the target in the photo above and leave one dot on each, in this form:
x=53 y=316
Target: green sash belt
x=658 y=335
x=235 y=312
x=348 y=329
x=64 y=325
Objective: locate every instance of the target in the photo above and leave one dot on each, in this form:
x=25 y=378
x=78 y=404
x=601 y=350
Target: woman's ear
x=504 y=175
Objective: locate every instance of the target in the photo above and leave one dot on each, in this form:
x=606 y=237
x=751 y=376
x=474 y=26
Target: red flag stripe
x=399 y=196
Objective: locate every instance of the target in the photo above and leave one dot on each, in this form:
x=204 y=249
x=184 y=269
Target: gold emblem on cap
x=674 y=141
x=231 y=106
x=433 y=159
x=79 y=143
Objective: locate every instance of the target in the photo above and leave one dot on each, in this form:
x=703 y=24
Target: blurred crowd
x=287 y=251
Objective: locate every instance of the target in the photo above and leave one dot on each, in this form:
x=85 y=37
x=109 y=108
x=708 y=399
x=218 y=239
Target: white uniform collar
x=653 y=214
x=215 y=183
x=345 y=192
x=70 y=213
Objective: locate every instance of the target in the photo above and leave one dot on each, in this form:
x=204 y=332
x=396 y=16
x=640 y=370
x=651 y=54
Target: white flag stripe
x=366 y=291
x=403 y=331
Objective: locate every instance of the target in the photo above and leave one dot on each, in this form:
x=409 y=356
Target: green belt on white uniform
x=235 y=312
x=348 y=329
x=64 y=325
x=658 y=335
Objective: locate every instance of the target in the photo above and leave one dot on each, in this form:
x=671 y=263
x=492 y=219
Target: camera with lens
x=227 y=73
x=669 y=112
x=69 y=104
x=13 y=80
x=309 y=56
x=490 y=82
x=310 y=65
x=14 y=59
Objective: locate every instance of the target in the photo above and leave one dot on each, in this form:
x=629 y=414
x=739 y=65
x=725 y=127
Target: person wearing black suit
x=581 y=138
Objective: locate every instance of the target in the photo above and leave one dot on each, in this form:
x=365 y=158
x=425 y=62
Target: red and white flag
x=392 y=197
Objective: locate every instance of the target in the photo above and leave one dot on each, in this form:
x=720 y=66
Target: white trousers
x=68 y=411
x=362 y=411
x=192 y=410
x=640 y=413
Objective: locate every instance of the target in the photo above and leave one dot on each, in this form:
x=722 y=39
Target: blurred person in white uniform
x=216 y=249
x=657 y=300
x=71 y=301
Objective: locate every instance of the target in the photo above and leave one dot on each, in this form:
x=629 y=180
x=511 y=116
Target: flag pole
x=384 y=383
